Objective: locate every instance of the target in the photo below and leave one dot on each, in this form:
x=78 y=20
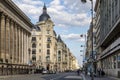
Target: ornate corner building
x=44 y=42
x=48 y=50
x=15 y=32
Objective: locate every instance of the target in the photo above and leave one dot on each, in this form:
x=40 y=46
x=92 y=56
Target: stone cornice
x=11 y=13
x=18 y=10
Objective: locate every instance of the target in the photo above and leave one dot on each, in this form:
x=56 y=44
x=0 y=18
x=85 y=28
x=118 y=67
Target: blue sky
x=71 y=19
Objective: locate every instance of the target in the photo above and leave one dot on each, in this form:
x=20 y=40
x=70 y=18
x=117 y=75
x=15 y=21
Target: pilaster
x=11 y=41
x=22 y=47
x=15 y=42
x=7 y=38
x=2 y=37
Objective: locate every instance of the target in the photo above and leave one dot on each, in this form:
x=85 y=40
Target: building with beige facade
x=49 y=51
x=44 y=42
x=15 y=32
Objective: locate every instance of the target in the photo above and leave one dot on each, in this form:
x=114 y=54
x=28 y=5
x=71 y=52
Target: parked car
x=51 y=72
x=44 y=72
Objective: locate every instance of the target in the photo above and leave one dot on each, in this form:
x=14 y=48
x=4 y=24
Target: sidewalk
x=87 y=77
x=7 y=76
x=17 y=75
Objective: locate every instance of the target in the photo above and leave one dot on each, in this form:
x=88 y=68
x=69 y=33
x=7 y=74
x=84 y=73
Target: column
x=29 y=46
x=19 y=45
x=11 y=41
x=2 y=37
x=22 y=48
x=16 y=54
x=15 y=42
x=27 y=49
x=18 y=40
x=7 y=38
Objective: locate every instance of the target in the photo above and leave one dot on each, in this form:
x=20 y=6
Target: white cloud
x=64 y=13
x=75 y=37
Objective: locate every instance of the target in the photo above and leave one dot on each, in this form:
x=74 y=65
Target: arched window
x=59 y=52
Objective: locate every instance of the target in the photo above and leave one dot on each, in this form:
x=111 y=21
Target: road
x=63 y=76
x=58 y=76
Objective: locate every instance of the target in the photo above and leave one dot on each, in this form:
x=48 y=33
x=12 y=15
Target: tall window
x=59 y=55
x=48 y=39
x=39 y=50
x=48 y=45
x=47 y=58
x=40 y=58
x=48 y=52
x=39 y=44
x=33 y=38
x=33 y=45
x=34 y=58
x=33 y=51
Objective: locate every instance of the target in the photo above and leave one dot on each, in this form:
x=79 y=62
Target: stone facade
x=15 y=32
x=108 y=39
x=48 y=50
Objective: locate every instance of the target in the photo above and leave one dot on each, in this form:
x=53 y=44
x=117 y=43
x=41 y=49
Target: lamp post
x=84 y=46
x=29 y=50
x=92 y=75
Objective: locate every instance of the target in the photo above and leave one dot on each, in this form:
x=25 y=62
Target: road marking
x=56 y=77
x=75 y=77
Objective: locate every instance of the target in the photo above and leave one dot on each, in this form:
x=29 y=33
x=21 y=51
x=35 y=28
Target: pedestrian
x=78 y=72
x=98 y=71
x=102 y=73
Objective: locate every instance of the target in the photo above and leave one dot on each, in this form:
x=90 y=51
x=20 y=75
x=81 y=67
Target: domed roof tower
x=44 y=16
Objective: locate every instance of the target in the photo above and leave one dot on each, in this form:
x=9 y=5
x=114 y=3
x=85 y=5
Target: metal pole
x=92 y=73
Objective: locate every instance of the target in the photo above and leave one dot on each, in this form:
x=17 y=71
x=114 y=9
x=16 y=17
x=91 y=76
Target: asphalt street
x=58 y=76
x=63 y=76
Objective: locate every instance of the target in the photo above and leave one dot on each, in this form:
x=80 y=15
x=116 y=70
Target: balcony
x=64 y=62
x=110 y=49
x=49 y=41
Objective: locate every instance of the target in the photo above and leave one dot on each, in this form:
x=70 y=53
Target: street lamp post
x=84 y=46
x=92 y=75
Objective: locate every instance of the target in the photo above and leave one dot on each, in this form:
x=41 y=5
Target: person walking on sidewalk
x=78 y=72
